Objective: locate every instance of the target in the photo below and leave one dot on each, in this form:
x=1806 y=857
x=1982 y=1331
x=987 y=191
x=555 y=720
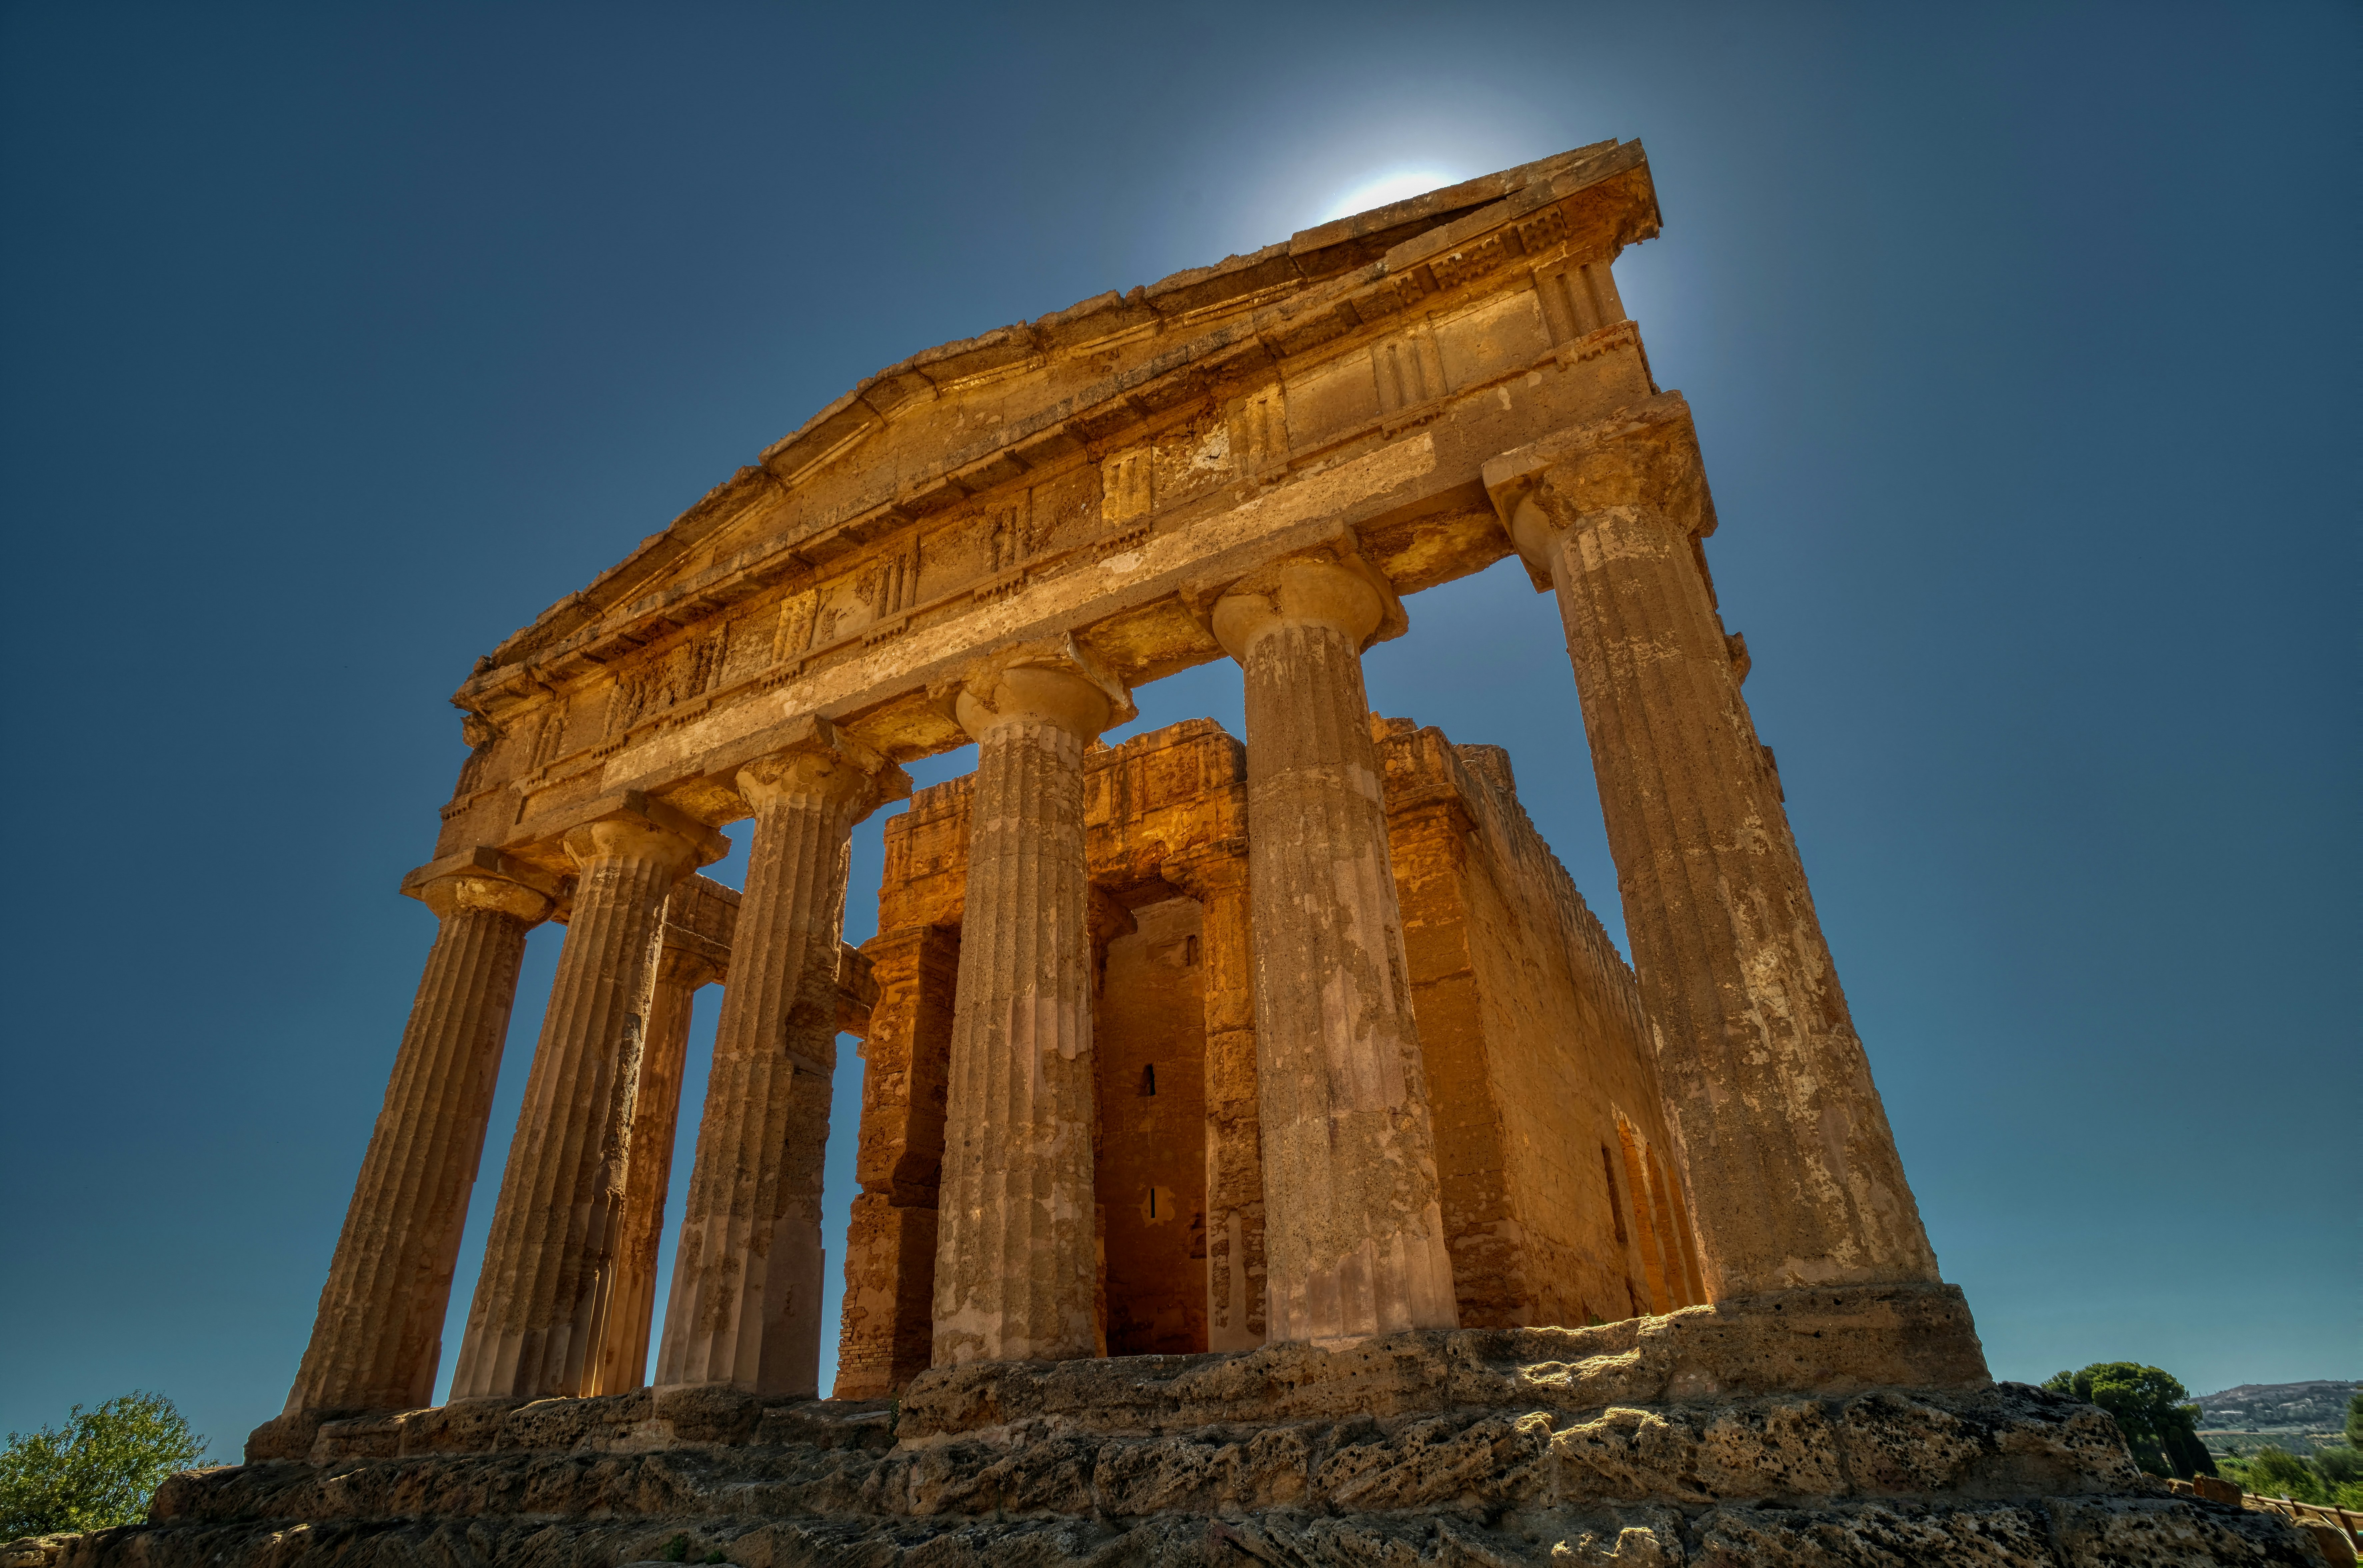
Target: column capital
x=559 y=840
x=815 y=760
x=631 y=836
x=484 y=878
x=1645 y=459
x=1335 y=585
x=1057 y=682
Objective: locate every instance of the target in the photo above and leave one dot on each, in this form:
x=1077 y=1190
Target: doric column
x=682 y=968
x=380 y=1329
x=1793 y=1171
x=1354 y=1232
x=1014 y=1257
x=887 y=1332
x=541 y=1306
x=745 y=1306
x=1218 y=879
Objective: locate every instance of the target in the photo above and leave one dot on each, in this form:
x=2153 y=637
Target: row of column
x=1354 y=1232
x=1786 y=1148
x=563 y=1305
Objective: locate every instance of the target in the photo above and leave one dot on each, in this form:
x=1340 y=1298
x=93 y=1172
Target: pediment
x=955 y=420
x=1094 y=474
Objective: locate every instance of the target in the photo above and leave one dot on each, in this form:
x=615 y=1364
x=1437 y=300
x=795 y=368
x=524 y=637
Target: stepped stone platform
x=1808 y=1428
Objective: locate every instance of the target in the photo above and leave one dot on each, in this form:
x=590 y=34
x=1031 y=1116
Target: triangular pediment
x=951 y=423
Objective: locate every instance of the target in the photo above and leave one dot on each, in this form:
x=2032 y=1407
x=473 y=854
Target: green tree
x=2273 y=1471
x=2355 y=1419
x=2149 y=1406
x=99 y=1469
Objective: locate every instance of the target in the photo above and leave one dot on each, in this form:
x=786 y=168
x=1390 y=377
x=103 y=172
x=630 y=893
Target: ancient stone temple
x=1264 y=1156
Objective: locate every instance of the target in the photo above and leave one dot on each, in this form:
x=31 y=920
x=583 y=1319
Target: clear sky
x=340 y=340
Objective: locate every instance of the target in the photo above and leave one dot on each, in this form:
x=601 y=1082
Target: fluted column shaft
x=1354 y=1230
x=1015 y=1271
x=1792 y=1170
x=379 y=1333
x=745 y=1307
x=648 y=1177
x=538 y=1316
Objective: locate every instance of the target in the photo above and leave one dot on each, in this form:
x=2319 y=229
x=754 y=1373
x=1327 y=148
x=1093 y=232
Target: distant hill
x=2318 y=1406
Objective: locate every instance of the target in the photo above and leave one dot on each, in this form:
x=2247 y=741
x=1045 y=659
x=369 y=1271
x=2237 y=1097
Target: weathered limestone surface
x=1354 y=1232
x=1537 y=1049
x=1015 y=1267
x=1789 y=1158
x=700 y=918
x=1235 y=1266
x=1149 y=1175
x=380 y=1329
x=745 y=1307
x=888 y=1332
x=1706 y=1438
x=549 y=1264
x=648 y=1180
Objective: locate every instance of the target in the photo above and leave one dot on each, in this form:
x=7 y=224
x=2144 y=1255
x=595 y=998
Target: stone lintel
x=699 y=945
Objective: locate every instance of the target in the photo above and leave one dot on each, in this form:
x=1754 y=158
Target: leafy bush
x=2160 y=1429
x=2273 y=1471
x=2333 y=1475
x=97 y=1470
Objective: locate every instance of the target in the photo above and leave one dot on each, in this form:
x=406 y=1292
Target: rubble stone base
x=1769 y=1435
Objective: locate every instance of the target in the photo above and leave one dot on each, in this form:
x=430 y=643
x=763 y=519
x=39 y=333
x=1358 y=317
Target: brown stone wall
x=890 y=1248
x=1560 y=1207
x=1150 y=1043
x=1536 y=1055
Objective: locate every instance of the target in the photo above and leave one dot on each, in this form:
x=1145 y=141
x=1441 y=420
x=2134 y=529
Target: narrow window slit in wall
x=1148 y=1079
x=1616 y=1199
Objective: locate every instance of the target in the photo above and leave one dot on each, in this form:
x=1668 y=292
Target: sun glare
x=1389 y=187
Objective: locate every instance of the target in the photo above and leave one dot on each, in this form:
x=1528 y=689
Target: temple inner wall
x=1531 y=1026
x=1536 y=1050
x=1150 y=1179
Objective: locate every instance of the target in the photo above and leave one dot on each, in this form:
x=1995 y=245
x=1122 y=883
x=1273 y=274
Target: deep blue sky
x=339 y=341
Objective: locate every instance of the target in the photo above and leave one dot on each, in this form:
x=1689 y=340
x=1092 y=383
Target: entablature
x=1358 y=408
